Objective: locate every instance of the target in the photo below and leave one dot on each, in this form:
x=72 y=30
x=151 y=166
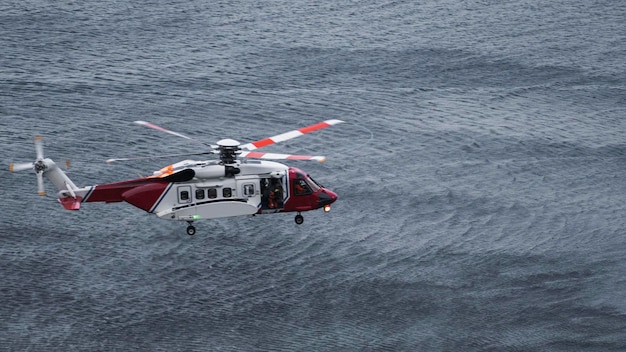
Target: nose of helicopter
x=333 y=195
x=327 y=197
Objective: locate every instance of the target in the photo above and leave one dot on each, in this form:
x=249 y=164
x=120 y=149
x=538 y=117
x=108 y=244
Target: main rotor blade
x=274 y=156
x=154 y=157
x=39 y=147
x=159 y=128
x=289 y=135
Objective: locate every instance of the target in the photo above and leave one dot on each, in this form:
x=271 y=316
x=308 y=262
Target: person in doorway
x=277 y=191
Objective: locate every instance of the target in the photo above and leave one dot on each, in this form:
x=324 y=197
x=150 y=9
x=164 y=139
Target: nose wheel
x=191 y=230
x=299 y=219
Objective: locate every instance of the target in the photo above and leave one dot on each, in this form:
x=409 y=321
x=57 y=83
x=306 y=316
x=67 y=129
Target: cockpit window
x=301 y=187
x=314 y=185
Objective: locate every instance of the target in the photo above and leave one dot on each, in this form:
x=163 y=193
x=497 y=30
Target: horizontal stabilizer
x=71 y=203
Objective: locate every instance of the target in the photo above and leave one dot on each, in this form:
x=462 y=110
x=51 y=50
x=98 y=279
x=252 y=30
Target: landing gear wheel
x=191 y=230
x=299 y=219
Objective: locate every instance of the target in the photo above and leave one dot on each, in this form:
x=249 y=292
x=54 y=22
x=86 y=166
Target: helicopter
x=241 y=181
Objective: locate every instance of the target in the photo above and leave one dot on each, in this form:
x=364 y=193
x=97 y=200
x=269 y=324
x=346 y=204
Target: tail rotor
x=39 y=166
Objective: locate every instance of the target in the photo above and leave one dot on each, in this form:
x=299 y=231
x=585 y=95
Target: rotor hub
x=229 y=149
x=40 y=166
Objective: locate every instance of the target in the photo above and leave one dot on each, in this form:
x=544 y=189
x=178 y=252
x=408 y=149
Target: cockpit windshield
x=304 y=184
x=314 y=185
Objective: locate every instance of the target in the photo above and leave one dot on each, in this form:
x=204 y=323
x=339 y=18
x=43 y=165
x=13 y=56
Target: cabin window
x=301 y=188
x=248 y=190
x=184 y=194
x=212 y=193
x=199 y=194
x=227 y=192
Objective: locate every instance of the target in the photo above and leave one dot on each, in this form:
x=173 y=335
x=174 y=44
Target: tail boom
x=142 y=192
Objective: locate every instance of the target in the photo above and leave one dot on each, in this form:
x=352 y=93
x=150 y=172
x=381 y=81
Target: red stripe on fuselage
x=146 y=196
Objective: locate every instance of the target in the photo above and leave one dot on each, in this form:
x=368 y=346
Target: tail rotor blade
x=39 y=166
x=20 y=167
x=40 y=187
x=39 y=147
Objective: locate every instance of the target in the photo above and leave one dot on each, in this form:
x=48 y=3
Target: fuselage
x=195 y=190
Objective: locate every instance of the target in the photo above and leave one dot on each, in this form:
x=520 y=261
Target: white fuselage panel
x=218 y=197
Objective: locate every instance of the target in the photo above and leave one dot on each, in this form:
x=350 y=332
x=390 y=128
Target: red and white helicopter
x=193 y=190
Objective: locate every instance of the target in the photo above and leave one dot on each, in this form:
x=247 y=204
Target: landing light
x=326 y=208
x=196 y=217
